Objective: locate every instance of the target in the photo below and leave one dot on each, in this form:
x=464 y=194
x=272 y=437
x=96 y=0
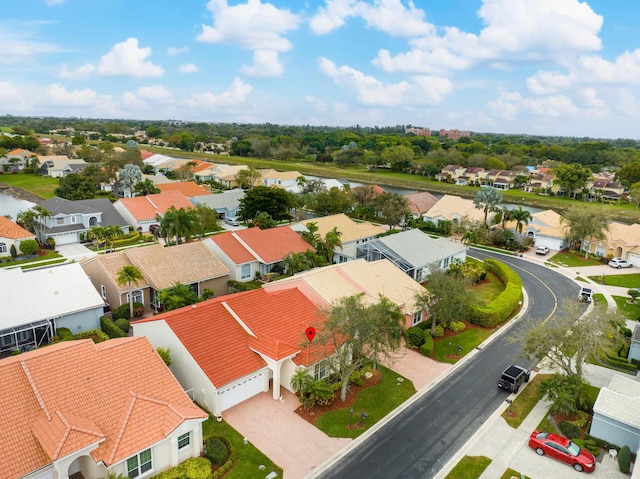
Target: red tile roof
x=144 y=154
x=147 y=207
x=268 y=246
x=76 y=394
x=10 y=230
x=187 y=188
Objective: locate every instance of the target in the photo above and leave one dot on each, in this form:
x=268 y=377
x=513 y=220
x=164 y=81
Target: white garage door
x=634 y=259
x=241 y=390
x=66 y=238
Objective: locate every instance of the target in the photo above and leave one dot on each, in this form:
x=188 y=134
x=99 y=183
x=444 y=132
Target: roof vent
x=193 y=306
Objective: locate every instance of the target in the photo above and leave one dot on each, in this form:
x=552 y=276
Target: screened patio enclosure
x=25 y=337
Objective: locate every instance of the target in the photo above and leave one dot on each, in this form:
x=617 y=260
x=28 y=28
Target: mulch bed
x=312 y=415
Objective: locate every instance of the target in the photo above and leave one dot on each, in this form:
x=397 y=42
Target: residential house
x=70 y=220
x=450 y=173
x=457 y=210
x=40 y=301
x=370 y=279
x=621 y=240
x=12 y=234
x=472 y=176
x=542 y=184
x=163 y=163
x=500 y=179
x=252 y=252
x=605 y=188
x=191 y=264
x=546 y=229
x=414 y=252
x=352 y=233
x=221 y=173
x=281 y=179
x=187 y=188
x=226 y=203
x=15 y=160
x=231 y=348
x=143 y=211
x=75 y=409
x=420 y=202
x=616 y=413
x=58 y=166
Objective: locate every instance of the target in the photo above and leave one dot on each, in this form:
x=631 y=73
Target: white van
x=231 y=221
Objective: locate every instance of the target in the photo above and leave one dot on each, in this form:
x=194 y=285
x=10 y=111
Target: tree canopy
x=275 y=202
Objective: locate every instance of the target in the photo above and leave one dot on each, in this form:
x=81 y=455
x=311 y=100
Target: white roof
x=419 y=248
x=28 y=296
x=620 y=401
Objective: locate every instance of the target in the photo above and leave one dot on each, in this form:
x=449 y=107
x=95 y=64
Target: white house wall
x=81 y=321
x=287 y=370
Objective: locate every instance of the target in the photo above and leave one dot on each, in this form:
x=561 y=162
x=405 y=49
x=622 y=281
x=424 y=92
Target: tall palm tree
x=521 y=217
x=178 y=223
x=129 y=275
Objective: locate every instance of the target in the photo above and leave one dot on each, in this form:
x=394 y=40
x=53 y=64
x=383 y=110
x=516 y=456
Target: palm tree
x=178 y=223
x=34 y=164
x=97 y=234
x=521 y=217
x=111 y=232
x=126 y=276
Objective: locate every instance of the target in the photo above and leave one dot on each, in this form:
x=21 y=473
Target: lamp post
x=510 y=411
x=449 y=350
x=350 y=418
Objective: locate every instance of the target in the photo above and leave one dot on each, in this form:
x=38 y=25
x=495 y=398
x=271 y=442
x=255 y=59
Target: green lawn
x=573 y=259
x=509 y=473
x=49 y=258
x=249 y=457
x=623 y=280
x=487 y=291
x=376 y=401
x=469 y=339
x=42 y=186
x=524 y=402
x=469 y=467
x=631 y=310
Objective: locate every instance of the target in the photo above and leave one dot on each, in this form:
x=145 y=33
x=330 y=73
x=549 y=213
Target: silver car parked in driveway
x=619 y=263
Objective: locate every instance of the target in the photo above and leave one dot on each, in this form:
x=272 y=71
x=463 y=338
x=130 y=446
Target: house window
x=59 y=221
x=73 y=219
x=103 y=289
x=445 y=262
x=139 y=464
x=184 y=440
x=417 y=317
x=3 y=247
x=245 y=271
x=321 y=370
x=138 y=297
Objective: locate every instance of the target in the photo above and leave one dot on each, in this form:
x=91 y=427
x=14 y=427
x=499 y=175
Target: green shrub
x=424 y=325
x=123 y=311
x=438 y=332
x=50 y=242
x=357 y=378
x=165 y=355
x=507 y=302
x=29 y=246
x=123 y=324
x=111 y=329
x=602 y=443
x=569 y=429
x=193 y=468
x=216 y=450
x=588 y=444
x=64 y=334
x=92 y=332
x=427 y=348
x=414 y=337
x=457 y=326
x=624 y=459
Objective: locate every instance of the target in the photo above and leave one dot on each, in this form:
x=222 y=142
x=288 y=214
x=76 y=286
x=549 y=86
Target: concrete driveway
x=74 y=251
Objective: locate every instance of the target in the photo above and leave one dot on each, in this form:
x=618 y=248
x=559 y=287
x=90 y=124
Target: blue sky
x=551 y=67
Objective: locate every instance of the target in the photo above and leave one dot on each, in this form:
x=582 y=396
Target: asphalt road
x=420 y=440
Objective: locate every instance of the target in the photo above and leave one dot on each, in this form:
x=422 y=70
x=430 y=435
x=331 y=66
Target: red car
x=562 y=449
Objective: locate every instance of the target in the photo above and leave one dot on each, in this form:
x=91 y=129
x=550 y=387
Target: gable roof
x=452 y=207
x=419 y=248
x=622 y=233
x=110 y=215
x=547 y=223
x=11 y=230
x=372 y=279
x=228 y=199
x=147 y=207
x=76 y=393
x=187 y=188
x=351 y=230
x=620 y=400
x=281 y=175
x=421 y=201
x=267 y=246
x=239 y=325
x=53 y=292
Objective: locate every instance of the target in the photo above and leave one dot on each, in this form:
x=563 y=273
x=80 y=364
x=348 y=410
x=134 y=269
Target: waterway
x=10 y=206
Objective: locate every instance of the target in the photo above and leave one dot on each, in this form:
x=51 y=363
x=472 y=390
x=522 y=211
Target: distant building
x=418 y=131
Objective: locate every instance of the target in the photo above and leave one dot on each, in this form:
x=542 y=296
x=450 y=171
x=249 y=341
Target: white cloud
x=155 y=93
x=80 y=73
x=188 y=68
x=512 y=106
x=235 y=95
x=128 y=59
x=175 y=51
x=18 y=46
x=265 y=64
x=421 y=90
x=332 y=16
x=10 y=95
x=253 y=26
x=59 y=95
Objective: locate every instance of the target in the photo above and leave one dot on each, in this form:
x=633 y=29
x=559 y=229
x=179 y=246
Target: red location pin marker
x=311 y=333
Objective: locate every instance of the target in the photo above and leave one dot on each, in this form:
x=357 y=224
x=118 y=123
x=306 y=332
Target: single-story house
x=58 y=166
x=75 y=409
x=15 y=160
x=142 y=211
x=372 y=279
x=226 y=203
x=40 y=301
x=352 y=233
x=455 y=209
x=546 y=229
x=281 y=179
x=254 y=252
x=187 y=188
x=230 y=348
x=12 y=234
x=621 y=240
x=191 y=264
x=616 y=413
x=420 y=202
x=414 y=252
x=69 y=220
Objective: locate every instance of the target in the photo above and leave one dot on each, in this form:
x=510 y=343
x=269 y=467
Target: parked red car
x=562 y=449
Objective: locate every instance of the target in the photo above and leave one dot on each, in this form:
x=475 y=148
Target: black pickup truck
x=513 y=377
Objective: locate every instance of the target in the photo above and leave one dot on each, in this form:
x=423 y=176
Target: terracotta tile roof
x=351 y=230
x=10 y=230
x=267 y=246
x=187 y=188
x=74 y=394
x=147 y=207
x=144 y=154
x=421 y=202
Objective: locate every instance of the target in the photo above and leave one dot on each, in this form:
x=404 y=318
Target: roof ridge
x=235 y=316
x=249 y=248
x=36 y=392
x=125 y=421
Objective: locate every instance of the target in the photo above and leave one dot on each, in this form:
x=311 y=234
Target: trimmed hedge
x=123 y=324
x=619 y=362
x=501 y=308
x=588 y=444
x=192 y=468
x=110 y=328
x=427 y=348
x=438 y=331
x=414 y=337
x=457 y=326
x=64 y=334
x=624 y=459
x=92 y=332
x=216 y=450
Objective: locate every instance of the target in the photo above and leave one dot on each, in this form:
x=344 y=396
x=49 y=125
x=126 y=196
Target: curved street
x=419 y=440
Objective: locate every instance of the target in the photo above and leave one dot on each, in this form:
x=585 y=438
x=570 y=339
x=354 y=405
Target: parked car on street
x=542 y=250
x=585 y=295
x=562 y=449
x=619 y=263
x=513 y=377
